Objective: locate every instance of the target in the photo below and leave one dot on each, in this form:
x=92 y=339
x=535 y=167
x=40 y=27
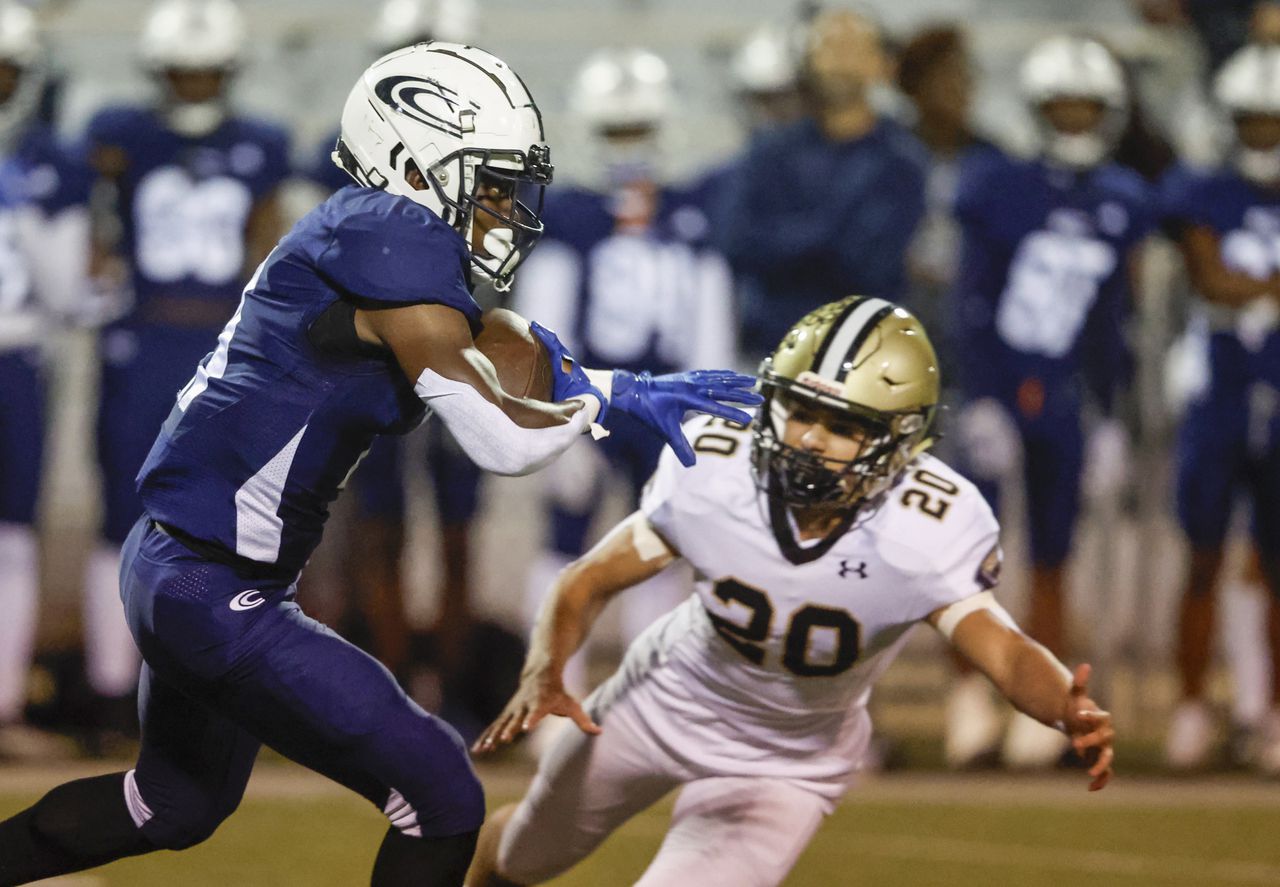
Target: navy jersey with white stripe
x=263 y=437
x=1043 y=269
x=184 y=203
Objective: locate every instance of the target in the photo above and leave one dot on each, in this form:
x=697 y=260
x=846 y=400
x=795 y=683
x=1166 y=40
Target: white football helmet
x=765 y=62
x=193 y=35
x=402 y=23
x=622 y=99
x=1249 y=84
x=22 y=47
x=1079 y=68
x=464 y=120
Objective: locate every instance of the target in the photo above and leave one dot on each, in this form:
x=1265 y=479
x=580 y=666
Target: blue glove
x=568 y=377
x=661 y=401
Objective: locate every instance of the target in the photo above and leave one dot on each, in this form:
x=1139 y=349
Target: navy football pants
x=232 y=662
x=21 y=434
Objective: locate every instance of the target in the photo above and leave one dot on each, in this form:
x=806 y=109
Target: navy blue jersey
x=1246 y=220
x=39 y=174
x=263 y=437
x=1043 y=273
x=184 y=203
x=806 y=220
x=647 y=294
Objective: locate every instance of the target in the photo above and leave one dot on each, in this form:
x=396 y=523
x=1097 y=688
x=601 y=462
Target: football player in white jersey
x=819 y=536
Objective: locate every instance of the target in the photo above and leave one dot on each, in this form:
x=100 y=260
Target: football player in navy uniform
x=1044 y=270
x=194 y=194
x=626 y=273
x=1227 y=222
x=358 y=323
x=371 y=553
x=829 y=203
x=44 y=227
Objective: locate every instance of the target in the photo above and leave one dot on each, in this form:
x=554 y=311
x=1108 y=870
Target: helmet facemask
x=803 y=479
x=517 y=180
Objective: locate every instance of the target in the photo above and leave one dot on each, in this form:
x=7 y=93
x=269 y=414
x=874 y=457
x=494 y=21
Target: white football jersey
x=767 y=668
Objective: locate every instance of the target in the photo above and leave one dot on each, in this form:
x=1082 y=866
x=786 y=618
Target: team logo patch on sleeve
x=989 y=571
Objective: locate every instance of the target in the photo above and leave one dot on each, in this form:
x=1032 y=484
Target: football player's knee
x=526 y=857
x=181 y=826
x=434 y=790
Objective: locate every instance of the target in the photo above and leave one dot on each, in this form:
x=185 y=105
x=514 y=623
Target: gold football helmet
x=868 y=360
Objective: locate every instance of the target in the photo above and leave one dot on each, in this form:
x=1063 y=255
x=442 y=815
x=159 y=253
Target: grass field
x=296 y=829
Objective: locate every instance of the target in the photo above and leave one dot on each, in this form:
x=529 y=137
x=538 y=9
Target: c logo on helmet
x=425 y=101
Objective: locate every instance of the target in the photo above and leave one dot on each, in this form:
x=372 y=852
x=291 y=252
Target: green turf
x=331 y=841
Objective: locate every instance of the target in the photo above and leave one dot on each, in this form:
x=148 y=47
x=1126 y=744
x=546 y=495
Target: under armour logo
x=860 y=570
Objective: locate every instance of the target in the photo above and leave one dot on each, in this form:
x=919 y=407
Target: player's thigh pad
x=192 y=767
x=246 y=651
x=586 y=787
x=735 y=832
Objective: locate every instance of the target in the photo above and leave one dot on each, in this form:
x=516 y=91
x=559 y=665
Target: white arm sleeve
x=59 y=252
x=984 y=600
x=492 y=440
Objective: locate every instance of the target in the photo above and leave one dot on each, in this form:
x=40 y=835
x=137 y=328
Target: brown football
x=522 y=362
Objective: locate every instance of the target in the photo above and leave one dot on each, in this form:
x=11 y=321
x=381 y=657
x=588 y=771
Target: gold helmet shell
x=861 y=355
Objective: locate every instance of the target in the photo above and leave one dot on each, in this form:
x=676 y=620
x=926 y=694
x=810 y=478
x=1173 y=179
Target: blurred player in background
x=371 y=554
x=1048 y=246
x=358 y=323
x=935 y=73
x=829 y=203
x=626 y=274
x=190 y=208
x=1227 y=222
x=820 y=536
x=44 y=250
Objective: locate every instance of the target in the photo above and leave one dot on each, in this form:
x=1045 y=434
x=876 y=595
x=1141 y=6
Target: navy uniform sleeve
x=394 y=253
x=980 y=276
x=58 y=177
x=274 y=169
x=111 y=128
x=1180 y=201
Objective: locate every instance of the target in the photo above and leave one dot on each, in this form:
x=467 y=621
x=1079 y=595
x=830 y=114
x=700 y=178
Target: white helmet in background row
x=623 y=99
x=188 y=36
x=1249 y=85
x=21 y=48
x=765 y=62
x=463 y=119
x=1070 y=67
x=402 y=23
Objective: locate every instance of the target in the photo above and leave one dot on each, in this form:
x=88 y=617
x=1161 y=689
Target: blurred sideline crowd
x=861 y=170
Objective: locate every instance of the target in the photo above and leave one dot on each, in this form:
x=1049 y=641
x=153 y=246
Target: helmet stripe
x=847 y=336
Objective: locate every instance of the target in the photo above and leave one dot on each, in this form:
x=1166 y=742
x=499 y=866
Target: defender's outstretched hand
x=536 y=697
x=660 y=402
x=1090 y=729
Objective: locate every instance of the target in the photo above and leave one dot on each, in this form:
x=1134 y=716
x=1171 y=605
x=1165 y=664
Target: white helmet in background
x=22 y=48
x=193 y=36
x=402 y=23
x=765 y=62
x=463 y=119
x=1070 y=67
x=1249 y=84
x=623 y=99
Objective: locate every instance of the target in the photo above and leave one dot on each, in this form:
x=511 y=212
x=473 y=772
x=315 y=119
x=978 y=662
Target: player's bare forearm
x=1201 y=249
x=437 y=338
x=582 y=590
x=1027 y=674
x=628 y=555
x=1040 y=686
